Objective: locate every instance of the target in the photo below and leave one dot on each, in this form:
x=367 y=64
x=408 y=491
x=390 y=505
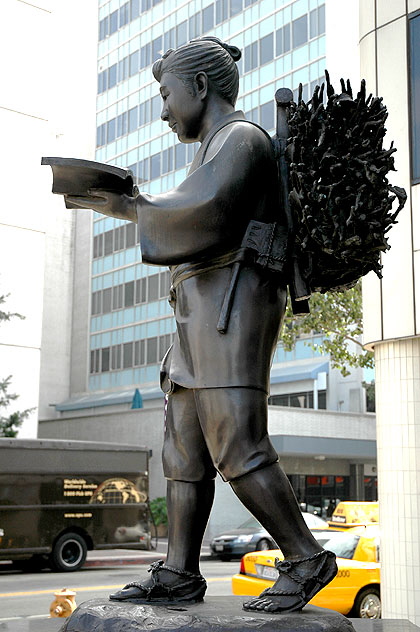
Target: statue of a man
x=217 y=379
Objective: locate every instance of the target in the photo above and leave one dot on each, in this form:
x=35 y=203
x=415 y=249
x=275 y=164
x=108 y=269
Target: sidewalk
x=120 y=557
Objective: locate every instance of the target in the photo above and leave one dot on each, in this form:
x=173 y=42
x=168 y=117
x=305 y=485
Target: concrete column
x=357 y=482
x=398 y=444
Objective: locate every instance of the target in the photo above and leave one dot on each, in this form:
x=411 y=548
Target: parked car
x=251 y=536
x=355 y=591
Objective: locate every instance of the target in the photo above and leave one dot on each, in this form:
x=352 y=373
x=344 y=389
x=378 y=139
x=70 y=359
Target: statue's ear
x=201 y=84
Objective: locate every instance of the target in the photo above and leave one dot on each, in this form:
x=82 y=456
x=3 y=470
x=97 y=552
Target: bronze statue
x=228 y=314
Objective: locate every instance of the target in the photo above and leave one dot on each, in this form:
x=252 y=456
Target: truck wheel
x=69 y=552
x=368 y=604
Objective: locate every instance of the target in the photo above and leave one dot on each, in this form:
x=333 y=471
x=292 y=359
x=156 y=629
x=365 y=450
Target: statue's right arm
x=118 y=205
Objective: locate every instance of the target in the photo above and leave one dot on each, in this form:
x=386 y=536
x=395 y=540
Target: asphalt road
x=28 y=596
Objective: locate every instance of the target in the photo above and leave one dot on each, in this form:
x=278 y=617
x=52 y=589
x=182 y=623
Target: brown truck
x=59 y=499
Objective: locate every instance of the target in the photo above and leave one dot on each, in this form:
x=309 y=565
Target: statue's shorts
x=214 y=430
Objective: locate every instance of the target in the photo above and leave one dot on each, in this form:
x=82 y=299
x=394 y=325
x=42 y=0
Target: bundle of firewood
x=340 y=197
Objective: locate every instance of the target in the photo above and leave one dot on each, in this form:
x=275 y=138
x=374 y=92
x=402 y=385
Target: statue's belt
x=264 y=245
x=184 y=271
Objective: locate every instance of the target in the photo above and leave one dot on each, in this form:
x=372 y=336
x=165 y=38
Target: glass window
x=124 y=16
x=152 y=351
x=168 y=160
x=106 y=300
x=286 y=38
x=111 y=131
x=127 y=355
x=156 y=107
x=153 y=290
x=94 y=361
x=266 y=49
x=130 y=235
x=117 y=296
x=155 y=166
x=141 y=294
x=144 y=111
x=169 y=39
x=143 y=174
x=300 y=31
x=180 y=158
x=103 y=28
x=139 y=354
x=252 y=115
x=221 y=11
x=113 y=22
x=134 y=63
x=193 y=27
x=321 y=19
x=251 y=56
x=208 y=18
x=119 y=238
x=157 y=45
x=98 y=246
x=414 y=35
x=134 y=9
x=122 y=124
x=96 y=303
x=108 y=242
x=267 y=115
x=145 y=5
x=105 y=359
x=116 y=357
x=313 y=23
x=235 y=7
x=181 y=33
x=133 y=119
x=129 y=293
x=145 y=56
x=249 y=2
x=164 y=344
x=165 y=282
x=123 y=69
x=112 y=76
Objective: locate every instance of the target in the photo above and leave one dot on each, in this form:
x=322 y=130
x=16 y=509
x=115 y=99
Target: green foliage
x=338 y=316
x=159 y=511
x=9 y=424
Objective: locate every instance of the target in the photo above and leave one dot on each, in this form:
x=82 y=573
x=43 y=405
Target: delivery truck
x=59 y=499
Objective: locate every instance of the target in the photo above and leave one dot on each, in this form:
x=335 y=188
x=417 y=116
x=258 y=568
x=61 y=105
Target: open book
x=74 y=177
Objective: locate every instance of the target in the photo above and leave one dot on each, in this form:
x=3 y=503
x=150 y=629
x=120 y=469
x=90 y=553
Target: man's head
x=204 y=54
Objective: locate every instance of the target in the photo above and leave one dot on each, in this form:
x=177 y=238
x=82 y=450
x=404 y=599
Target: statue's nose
x=164 y=114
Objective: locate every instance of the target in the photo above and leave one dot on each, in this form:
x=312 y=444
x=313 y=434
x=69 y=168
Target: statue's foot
x=299 y=580
x=167 y=585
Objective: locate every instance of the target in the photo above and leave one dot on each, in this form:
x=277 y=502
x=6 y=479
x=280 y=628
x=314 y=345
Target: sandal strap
x=158 y=566
x=287 y=567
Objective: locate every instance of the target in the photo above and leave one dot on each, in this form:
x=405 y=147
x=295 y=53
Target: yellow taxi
x=350 y=513
x=355 y=591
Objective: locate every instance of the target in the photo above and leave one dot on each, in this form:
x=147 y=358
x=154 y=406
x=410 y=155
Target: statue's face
x=181 y=110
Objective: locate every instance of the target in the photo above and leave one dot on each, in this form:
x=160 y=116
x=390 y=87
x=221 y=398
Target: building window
x=299 y=400
x=266 y=49
x=414 y=35
x=300 y=31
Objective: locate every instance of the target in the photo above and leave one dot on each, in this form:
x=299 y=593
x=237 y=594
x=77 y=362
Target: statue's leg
x=234 y=422
x=190 y=492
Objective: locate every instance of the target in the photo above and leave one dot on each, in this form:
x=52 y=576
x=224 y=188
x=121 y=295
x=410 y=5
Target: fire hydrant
x=63 y=604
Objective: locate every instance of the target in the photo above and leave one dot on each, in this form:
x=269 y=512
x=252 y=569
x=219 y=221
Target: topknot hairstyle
x=204 y=54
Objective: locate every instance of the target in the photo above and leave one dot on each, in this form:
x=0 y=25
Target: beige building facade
x=389 y=45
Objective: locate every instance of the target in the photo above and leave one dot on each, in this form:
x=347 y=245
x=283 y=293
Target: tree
x=9 y=423
x=338 y=315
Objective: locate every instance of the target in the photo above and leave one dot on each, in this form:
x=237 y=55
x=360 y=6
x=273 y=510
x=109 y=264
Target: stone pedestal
x=215 y=614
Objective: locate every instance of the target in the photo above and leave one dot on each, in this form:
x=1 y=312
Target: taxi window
x=343 y=546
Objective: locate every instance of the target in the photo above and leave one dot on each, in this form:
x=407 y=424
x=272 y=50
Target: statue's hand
x=119 y=205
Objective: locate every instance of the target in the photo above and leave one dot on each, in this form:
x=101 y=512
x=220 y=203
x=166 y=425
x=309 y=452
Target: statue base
x=215 y=614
